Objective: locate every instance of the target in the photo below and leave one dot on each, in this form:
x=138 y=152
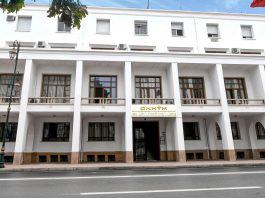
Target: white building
x=134 y=85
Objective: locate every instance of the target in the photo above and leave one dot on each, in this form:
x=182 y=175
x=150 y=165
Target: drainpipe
x=81 y=146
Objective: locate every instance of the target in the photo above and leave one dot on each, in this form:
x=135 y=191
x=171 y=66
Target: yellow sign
x=153 y=111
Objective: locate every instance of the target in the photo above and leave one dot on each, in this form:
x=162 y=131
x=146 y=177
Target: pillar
x=179 y=142
x=128 y=137
x=224 y=118
x=76 y=137
x=23 y=120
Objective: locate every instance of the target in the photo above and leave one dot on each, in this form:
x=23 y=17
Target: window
x=246 y=31
x=56 y=132
x=24 y=23
x=192 y=88
x=56 y=86
x=103 y=26
x=140 y=27
x=101 y=131
x=147 y=87
x=5 y=87
x=191 y=131
x=235 y=90
x=212 y=30
x=62 y=27
x=218 y=131
x=235 y=130
x=103 y=87
x=260 y=131
x=11 y=131
x=177 y=29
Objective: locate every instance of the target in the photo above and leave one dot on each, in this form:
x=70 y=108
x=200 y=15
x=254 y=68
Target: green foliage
x=71 y=12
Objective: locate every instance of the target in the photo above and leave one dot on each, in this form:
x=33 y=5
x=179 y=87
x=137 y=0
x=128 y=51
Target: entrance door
x=145 y=141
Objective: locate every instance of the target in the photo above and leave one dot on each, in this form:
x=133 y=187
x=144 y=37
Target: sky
x=231 y=6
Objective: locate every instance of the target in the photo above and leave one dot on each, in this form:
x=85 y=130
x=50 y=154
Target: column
x=178 y=121
x=23 y=120
x=128 y=137
x=261 y=74
x=76 y=137
x=224 y=118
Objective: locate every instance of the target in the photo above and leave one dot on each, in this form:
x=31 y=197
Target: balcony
x=200 y=101
x=246 y=101
x=152 y=101
x=246 y=106
x=50 y=104
x=51 y=100
x=103 y=105
x=103 y=101
x=201 y=105
x=5 y=100
x=15 y=101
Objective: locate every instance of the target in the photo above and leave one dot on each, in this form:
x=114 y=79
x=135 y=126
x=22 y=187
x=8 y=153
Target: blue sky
x=232 y=6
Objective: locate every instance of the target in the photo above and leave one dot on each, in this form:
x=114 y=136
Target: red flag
x=258 y=3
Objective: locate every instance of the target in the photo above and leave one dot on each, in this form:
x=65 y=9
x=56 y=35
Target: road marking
x=130 y=176
x=169 y=191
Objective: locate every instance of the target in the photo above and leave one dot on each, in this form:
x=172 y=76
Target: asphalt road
x=241 y=182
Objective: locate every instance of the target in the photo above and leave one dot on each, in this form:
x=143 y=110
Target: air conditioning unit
x=10 y=18
x=214 y=39
x=122 y=47
x=235 y=50
x=41 y=44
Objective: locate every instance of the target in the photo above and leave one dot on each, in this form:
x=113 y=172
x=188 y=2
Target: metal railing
x=152 y=101
x=5 y=100
x=51 y=100
x=245 y=101
x=103 y=101
x=200 y=101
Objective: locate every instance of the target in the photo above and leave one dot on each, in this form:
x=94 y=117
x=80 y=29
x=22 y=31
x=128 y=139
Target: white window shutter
x=103 y=26
x=24 y=24
x=212 y=29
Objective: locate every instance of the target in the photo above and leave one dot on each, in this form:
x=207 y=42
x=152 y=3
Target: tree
x=71 y=12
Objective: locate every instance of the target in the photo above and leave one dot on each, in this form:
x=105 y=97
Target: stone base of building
x=178 y=156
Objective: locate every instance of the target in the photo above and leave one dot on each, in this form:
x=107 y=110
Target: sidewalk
x=129 y=166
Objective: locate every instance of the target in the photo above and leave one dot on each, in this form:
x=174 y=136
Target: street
x=234 y=182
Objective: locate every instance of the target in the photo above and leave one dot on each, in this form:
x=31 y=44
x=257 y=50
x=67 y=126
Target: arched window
x=218 y=131
x=260 y=131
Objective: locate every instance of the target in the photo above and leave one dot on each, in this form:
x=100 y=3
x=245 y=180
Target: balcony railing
x=103 y=101
x=245 y=101
x=200 y=101
x=5 y=100
x=51 y=100
x=152 y=101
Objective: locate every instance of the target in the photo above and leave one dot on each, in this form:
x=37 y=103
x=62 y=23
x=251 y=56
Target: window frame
x=140 y=87
x=236 y=136
x=260 y=134
x=251 y=31
x=244 y=89
x=140 y=22
x=13 y=126
x=65 y=30
x=57 y=85
x=196 y=136
x=177 y=23
x=56 y=139
x=23 y=16
x=17 y=89
x=218 y=30
x=105 y=20
x=92 y=136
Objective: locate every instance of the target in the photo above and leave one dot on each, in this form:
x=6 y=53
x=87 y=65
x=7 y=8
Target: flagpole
x=148 y=4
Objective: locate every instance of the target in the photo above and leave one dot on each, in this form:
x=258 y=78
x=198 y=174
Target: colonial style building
x=134 y=85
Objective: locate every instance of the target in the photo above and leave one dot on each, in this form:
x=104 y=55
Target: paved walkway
x=137 y=165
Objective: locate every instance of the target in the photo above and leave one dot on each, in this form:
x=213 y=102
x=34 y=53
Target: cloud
x=230 y=3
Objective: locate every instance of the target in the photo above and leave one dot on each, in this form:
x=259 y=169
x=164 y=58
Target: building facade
x=134 y=85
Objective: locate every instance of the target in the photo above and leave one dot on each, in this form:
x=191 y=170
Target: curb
x=143 y=167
